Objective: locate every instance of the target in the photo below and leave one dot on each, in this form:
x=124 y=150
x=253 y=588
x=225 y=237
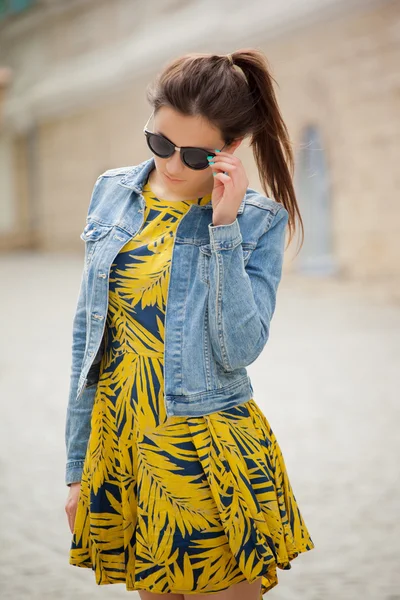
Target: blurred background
x=73 y=76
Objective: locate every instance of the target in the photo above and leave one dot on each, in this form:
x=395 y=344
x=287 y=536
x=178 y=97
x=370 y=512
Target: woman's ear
x=234 y=145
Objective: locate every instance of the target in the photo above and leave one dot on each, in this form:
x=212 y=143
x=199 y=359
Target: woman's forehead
x=186 y=130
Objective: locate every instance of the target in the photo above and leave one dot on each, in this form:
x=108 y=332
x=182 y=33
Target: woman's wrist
x=226 y=222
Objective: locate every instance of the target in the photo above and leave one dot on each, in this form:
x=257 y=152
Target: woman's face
x=186 y=131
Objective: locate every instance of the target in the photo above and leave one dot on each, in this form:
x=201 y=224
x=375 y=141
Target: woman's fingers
x=224 y=166
x=71 y=517
x=71 y=521
x=72 y=504
x=223 y=178
x=228 y=163
x=228 y=168
x=235 y=172
x=226 y=155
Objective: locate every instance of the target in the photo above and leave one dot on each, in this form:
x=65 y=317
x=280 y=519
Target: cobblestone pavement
x=327 y=381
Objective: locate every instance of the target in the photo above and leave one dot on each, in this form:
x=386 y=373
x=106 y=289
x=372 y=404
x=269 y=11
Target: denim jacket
x=221 y=299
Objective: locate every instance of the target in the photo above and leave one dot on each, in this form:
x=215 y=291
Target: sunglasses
x=192 y=157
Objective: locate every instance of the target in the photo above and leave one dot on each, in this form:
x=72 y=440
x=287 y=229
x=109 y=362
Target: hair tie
x=236 y=67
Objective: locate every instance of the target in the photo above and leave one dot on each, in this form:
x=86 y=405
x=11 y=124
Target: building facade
x=74 y=105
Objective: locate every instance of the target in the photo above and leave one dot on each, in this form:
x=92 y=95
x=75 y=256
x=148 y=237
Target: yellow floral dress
x=180 y=504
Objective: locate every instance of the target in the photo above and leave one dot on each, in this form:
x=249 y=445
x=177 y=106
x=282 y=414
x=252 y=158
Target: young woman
x=178 y=486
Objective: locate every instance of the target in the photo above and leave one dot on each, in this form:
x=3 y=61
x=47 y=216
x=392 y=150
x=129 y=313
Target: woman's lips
x=173 y=180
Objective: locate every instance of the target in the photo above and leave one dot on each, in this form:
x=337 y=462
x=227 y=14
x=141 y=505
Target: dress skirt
x=174 y=504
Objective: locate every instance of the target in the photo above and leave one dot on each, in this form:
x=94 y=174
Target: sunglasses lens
x=159 y=145
x=195 y=159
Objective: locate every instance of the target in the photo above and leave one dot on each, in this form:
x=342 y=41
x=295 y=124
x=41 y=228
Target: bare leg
x=239 y=591
x=144 y=595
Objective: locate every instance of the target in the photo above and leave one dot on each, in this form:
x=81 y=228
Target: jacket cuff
x=73 y=473
x=225 y=237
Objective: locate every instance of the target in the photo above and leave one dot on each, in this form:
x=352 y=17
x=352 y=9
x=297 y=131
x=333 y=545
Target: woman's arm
x=242 y=298
x=77 y=426
x=78 y=416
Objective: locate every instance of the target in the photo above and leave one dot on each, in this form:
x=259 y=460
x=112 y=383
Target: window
x=313 y=192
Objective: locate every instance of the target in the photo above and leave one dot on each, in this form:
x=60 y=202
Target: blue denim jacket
x=221 y=299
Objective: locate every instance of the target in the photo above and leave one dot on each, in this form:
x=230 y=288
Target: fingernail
x=210 y=157
x=211 y=163
x=217 y=150
x=214 y=174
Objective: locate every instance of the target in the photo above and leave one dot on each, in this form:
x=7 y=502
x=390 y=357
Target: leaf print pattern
x=180 y=504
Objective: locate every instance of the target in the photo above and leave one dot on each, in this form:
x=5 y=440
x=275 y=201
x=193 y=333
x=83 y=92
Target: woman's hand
x=72 y=503
x=229 y=189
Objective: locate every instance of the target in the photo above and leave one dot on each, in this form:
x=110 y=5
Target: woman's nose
x=175 y=164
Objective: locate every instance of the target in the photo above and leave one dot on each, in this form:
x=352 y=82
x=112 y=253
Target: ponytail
x=270 y=140
x=235 y=93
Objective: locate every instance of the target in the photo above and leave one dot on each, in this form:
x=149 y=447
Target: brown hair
x=209 y=85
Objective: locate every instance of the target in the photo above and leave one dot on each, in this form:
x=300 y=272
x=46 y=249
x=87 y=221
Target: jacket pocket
x=91 y=235
x=205 y=255
x=94 y=231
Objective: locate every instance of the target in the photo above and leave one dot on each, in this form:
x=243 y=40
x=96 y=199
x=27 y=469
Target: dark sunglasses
x=192 y=157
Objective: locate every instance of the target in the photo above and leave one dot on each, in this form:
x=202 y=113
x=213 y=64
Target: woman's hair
x=240 y=102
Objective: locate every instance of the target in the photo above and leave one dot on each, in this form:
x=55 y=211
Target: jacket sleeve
x=79 y=409
x=242 y=298
x=77 y=426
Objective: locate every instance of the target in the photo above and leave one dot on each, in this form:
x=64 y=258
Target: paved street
x=328 y=383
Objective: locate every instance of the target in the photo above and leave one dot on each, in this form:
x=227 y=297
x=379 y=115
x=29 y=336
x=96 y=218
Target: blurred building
x=73 y=104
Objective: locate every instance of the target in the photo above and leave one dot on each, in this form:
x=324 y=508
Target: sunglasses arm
x=148 y=121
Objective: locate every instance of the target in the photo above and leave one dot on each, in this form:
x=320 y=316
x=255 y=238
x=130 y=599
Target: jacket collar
x=136 y=178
